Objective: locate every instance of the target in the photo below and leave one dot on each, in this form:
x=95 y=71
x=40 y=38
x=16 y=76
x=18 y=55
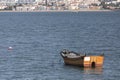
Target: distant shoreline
x=60 y=11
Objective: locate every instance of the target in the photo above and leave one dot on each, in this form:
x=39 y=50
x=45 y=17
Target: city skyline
x=33 y=5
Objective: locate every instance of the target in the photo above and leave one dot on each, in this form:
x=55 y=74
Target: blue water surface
x=37 y=38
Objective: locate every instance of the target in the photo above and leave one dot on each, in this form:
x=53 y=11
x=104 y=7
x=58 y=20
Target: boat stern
x=93 y=61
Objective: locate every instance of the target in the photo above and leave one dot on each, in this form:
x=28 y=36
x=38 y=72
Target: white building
x=25 y=8
x=2 y=7
x=8 y=1
x=26 y=1
x=118 y=0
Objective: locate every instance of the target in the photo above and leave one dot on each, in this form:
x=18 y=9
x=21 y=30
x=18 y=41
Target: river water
x=37 y=38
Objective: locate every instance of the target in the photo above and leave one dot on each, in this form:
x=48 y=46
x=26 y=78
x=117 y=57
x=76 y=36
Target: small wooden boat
x=73 y=58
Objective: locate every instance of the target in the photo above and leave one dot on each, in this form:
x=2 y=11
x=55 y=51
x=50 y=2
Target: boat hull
x=74 y=61
x=93 y=61
x=82 y=61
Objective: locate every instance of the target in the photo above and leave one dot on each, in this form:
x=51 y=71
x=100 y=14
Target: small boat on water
x=82 y=60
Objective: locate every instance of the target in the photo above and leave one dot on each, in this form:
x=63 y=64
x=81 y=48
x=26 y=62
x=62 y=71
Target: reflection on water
x=98 y=70
x=85 y=73
x=93 y=74
x=92 y=71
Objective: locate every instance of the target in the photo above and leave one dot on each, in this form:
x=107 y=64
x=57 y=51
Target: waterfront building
x=2 y=7
x=30 y=5
x=25 y=8
x=38 y=0
x=118 y=0
x=26 y=1
x=8 y=2
x=81 y=4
